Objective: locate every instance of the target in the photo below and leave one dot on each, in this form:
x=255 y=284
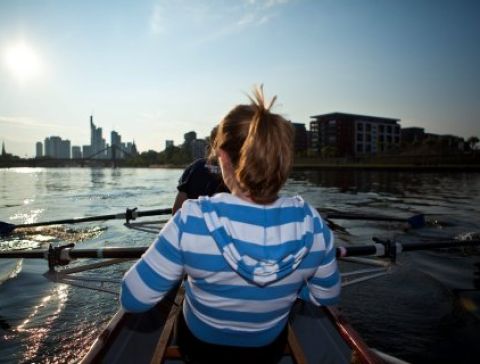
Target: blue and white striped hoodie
x=245 y=264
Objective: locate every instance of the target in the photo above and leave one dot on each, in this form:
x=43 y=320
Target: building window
x=389 y=138
x=389 y=129
x=360 y=126
x=368 y=148
x=381 y=128
x=369 y=138
x=368 y=127
x=360 y=148
x=359 y=137
x=332 y=122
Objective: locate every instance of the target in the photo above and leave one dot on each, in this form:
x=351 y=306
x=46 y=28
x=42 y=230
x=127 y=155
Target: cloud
x=29 y=122
x=210 y=20
x=259 y=12
x=24 y=121
x=157 y=20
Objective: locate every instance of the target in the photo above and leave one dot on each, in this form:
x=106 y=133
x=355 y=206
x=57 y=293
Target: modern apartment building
x=354 y=135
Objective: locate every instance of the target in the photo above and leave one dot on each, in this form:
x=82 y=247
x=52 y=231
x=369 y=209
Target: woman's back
x=246 y=264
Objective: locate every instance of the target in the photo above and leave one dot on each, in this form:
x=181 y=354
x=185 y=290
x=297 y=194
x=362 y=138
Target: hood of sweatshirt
x=262 y=243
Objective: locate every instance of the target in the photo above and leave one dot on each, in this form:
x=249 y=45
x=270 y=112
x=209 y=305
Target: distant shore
x=299 y=165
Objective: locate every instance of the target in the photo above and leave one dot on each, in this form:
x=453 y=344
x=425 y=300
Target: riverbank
x=393 y=167
x=467 y=163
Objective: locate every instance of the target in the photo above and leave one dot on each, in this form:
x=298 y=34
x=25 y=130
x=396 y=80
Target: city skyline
x=99 y=148
x=155 y=69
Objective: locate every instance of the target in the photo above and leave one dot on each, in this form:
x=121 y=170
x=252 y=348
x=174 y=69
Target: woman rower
x=247 y=255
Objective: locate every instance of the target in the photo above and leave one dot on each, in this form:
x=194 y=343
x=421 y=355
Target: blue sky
x=153 y=70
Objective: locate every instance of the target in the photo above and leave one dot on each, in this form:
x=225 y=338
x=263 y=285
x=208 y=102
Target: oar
x=416 y=221
x=130 y=214
x=382 y=248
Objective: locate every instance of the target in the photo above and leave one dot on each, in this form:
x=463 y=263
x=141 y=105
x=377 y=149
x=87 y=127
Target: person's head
x=255 y=149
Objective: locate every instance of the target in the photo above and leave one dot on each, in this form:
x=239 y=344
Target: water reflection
x=393 y=182
x=97 y=177
x=406 y=305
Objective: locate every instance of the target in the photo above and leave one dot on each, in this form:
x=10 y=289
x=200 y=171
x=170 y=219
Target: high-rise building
x=39 y=150
x=116 y=143
x=65 y=149
x=86 y=151
x=55 y=147
x=4 y=153
x=97 y=143
x=76 y=152
x=169 y=144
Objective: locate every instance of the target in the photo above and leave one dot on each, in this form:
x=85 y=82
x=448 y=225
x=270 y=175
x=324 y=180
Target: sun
x=22 y=61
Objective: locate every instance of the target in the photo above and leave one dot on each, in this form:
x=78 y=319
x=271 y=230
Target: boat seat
x=292 y=348
x=167 y=349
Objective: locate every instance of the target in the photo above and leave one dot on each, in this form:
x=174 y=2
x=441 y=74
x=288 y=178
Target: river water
x=425 y=310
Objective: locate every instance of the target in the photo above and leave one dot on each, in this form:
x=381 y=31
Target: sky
x=154 y=70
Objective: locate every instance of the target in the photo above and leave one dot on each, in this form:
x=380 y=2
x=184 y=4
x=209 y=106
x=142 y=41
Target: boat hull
x=318 y=335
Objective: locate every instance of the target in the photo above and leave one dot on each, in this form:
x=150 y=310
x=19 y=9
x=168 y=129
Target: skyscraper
x=55 y=147
x=116 y=143
x=97 y=143
x=76 y=152
x=39 y=150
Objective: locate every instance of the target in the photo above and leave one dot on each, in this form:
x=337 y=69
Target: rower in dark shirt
x=200 y=178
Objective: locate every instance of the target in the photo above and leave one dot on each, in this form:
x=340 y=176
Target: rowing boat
x=316 y=335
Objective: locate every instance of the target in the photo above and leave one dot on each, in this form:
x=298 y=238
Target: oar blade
x=417 y=221
x=6 y=228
